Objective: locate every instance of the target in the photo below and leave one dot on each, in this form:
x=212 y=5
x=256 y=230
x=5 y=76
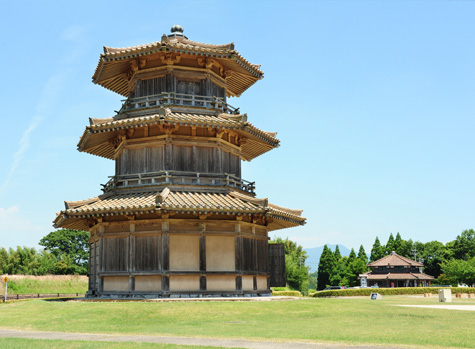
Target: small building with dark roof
x=395 y=271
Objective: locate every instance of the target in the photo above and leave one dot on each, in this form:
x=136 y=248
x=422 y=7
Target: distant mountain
x=315 y=252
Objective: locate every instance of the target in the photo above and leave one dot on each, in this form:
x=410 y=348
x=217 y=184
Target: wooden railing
x=41 y=295
x=177 y=99
x=179 y=178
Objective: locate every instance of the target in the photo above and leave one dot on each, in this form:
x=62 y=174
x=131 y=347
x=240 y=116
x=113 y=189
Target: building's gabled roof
x=114 y=63
x=395 y=260
x=95 y=139
x=172 y=200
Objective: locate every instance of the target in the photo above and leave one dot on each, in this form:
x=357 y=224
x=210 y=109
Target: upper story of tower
x=183 y=75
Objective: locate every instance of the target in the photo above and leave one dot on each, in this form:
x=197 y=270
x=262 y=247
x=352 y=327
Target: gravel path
x=443 y=306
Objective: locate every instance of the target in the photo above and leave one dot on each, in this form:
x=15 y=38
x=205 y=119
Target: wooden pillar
x=165 y=255
x=202 y=253
x=202 y=283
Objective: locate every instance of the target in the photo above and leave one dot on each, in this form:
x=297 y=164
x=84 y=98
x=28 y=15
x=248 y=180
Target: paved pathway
x=443 y=306
x=224 y=343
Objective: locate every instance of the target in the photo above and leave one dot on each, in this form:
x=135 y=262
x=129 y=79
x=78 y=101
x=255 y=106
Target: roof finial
x=177 y=31
x=177 y=28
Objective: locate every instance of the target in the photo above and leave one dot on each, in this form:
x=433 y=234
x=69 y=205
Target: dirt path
x=223 y=343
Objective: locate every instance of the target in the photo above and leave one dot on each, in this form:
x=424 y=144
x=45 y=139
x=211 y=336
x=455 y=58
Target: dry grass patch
x=27 y=284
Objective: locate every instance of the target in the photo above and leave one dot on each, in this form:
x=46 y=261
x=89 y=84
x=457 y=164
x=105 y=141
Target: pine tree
x=337 y=253
x=352 y=256
x=362 y=255
x=378 y=251
x=398 y=243
x=390 y=245
x=325 y=267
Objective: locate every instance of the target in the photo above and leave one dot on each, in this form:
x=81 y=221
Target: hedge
x=390 y=291
x=287 y=293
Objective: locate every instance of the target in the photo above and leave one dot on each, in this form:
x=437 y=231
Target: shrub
x=389 y=291
x=287 y=293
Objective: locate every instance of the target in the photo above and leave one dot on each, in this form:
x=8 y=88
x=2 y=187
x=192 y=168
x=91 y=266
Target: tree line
x=452 y=263
x=66 y=251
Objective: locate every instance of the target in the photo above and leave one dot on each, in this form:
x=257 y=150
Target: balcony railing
x=177 y=99
x=178 y=178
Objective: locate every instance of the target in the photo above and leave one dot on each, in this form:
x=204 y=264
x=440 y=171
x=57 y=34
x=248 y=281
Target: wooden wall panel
x=248 y=255
x=262 y=252
x=276 y=265
x=147 y=253
x=115 y=254
x=156 y=159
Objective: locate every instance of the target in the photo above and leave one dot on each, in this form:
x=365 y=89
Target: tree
x=434 y=254
x=464 y=245
x=68 y=245
x=296 y=271
x=325 y=267
x=362 y=255
x=398 y=243
x=460 y=271
x=406 y=249
x=390 y=245
x=378 y=251
x=337 y=253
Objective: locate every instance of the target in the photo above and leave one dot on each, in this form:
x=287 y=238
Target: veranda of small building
x=397 y=280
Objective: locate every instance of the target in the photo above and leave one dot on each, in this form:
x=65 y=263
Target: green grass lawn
x=343 y=320
x=14 y=343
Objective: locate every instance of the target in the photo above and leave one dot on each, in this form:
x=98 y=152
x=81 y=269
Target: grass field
x=342 y=320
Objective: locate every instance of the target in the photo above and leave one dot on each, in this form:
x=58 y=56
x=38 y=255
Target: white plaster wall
x=116 y=283
x=184 y=253
x=184 y=283
x=148 y=283
x=220 y=253
x=220 y=283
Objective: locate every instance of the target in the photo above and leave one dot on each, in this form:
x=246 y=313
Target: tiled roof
x=258 y=142
x=397 y=276
x=395 y=260
x=177 y=201
x=114 y=62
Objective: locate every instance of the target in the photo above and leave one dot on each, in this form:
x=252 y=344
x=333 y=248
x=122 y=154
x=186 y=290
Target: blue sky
x=373 y=103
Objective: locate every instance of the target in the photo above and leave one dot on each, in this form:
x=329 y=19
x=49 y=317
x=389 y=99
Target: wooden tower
x=177 y=219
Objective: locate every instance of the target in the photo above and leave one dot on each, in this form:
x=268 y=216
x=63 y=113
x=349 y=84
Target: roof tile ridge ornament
x=162 y=196
x=245 y=197
x=286 y=210
x=164 y=112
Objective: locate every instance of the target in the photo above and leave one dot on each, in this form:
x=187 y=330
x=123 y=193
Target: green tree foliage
x=464 y=245
x=325 y=267
x=460 y=271
x=26 y=261
x=390 y=245
x=71 y=249
x=362 y=255
x=378 y=251
x=434 y=254
x=397 y=243
x=296 y=271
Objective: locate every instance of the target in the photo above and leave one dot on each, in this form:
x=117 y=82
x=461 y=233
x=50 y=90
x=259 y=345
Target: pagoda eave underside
x=112 y=73
x=152 y=205
x=96 y=139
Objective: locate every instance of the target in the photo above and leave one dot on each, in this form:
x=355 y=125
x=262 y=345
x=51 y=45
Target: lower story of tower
x=178 y=258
